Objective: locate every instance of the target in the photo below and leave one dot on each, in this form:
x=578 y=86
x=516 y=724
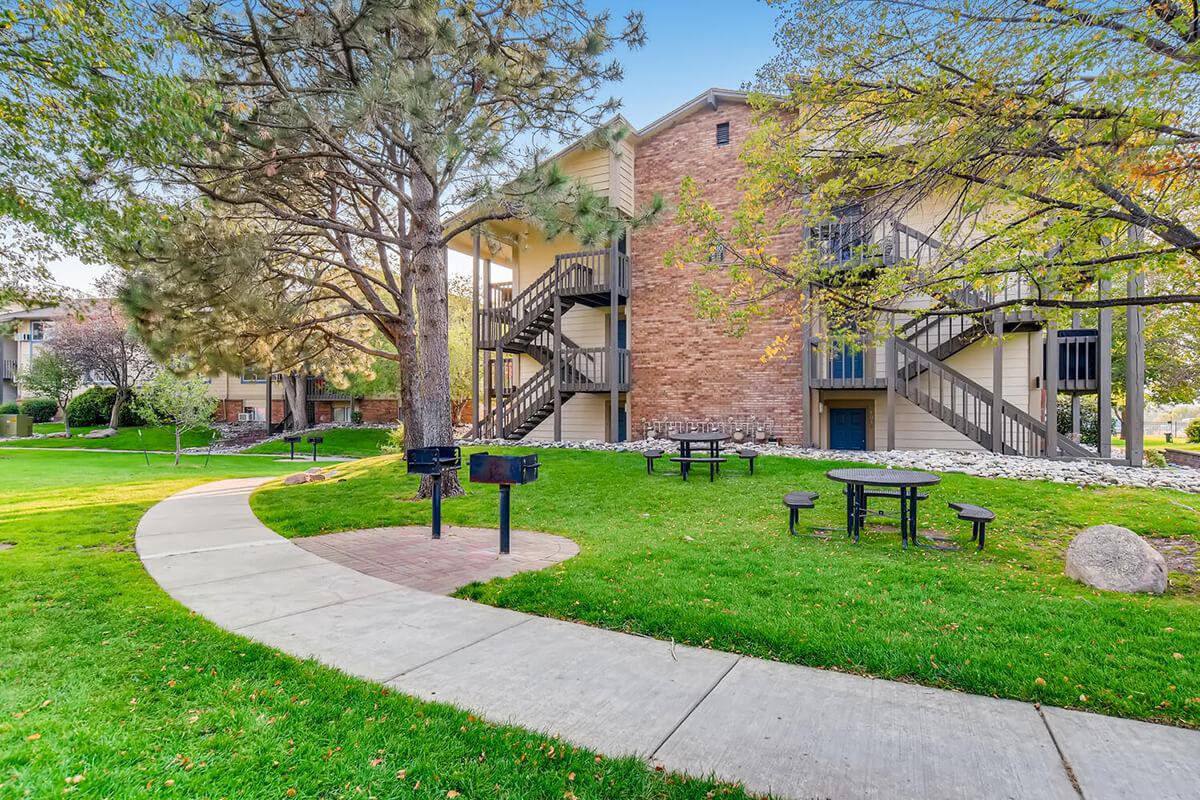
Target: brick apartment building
x=605 y=343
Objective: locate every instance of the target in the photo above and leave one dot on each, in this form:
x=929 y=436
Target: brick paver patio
x=409 y=556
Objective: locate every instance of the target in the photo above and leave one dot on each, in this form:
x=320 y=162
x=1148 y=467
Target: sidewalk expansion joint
x=692 y=710
x=317 y=608
x=459 y=649
x=1061 y=755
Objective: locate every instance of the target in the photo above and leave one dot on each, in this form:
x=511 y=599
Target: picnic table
x=905 y=481
x=688 y=438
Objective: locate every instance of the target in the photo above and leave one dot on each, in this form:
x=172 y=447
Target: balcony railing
x=8 y=370
x=320 y=389
x=1078 y=360
x=843 y=363
x=587 y=369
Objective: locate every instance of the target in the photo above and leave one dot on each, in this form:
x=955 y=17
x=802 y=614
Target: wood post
x=1051 y=370
x=1135 y=376
x=998 y=381
x=891 y=366
x=1076 y=411
x=1104 y=373
x=806 y=400
x=614 y=397
x=490 y=377
x=556 y=361
x=475 y=333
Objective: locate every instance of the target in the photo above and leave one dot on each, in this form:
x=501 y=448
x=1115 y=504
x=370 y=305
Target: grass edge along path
x=712 y=565
x=112 y=689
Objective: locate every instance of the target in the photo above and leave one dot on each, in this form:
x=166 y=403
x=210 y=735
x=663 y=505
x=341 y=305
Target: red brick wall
x=322 y=412
x=228 y=410
x=685 y=368
x=378 y=410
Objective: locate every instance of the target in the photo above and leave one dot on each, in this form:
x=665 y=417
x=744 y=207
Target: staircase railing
x=966 y=406
x=573 y=274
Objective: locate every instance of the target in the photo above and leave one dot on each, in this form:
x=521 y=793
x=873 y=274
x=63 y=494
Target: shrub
x=356 y=417
x=10 y=408
x=395 y=440
x=42 y=409
x=1089 y=420
x=94 y=407
x=1193 y=431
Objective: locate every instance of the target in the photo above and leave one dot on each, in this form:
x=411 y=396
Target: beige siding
x=590 y=166
x=583 y=418
x=623 y=194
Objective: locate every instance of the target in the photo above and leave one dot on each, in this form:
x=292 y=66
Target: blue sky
x=691 y=46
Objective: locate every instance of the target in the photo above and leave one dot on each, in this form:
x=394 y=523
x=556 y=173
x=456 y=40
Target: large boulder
x=100 y=433
x=1116 y=559
x=293 y=480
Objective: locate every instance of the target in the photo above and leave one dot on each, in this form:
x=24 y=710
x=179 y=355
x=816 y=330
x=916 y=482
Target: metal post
x=1051 y=389
x=614 y=399
x=437 y=504
x=1104 y=374
x=1135 y=376
x=998 y=381
x=504 y=532
x=475 y=333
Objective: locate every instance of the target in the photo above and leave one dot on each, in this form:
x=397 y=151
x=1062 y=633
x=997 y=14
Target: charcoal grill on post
x=506 y=471
x=292 y=440
x=314 y=441
x=434 y=461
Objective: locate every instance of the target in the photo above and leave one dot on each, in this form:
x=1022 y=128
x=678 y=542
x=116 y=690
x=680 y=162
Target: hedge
x=10 y=408
x=94 y=407
x=42 y=409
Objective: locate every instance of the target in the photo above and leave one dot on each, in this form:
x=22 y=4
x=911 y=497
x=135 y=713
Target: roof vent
x=722 y=134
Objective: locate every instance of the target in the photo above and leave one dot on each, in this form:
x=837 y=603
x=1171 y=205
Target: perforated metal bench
x=685 y=463
x=749 y=455
x=978 y=516
x=794 y=501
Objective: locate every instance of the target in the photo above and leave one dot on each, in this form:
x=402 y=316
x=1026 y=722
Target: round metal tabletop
x=883 y=477
x=698 y=436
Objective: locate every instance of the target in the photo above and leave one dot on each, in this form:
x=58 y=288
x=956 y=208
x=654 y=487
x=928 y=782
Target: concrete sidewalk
x=777 y=728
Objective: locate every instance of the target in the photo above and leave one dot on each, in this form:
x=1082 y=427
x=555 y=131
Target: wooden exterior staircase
x=526 y=325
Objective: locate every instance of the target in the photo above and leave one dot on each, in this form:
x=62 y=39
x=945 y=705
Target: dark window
x=722 y=134
x=717 y=255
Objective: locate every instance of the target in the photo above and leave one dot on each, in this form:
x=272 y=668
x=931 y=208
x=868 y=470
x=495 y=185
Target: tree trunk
x=433 y=319
x=300 y=420
x=114 y=418
x=66 y=422
x=178 y=442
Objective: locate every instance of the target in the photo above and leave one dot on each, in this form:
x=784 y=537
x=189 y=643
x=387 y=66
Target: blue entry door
x=847 y=429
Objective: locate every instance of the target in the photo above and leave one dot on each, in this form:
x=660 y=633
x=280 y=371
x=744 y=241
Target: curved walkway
x=788 y=730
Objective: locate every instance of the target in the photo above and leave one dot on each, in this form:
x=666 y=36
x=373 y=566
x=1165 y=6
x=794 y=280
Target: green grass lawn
x=125 y=439
x=1180 y=443
x=351 y=442
x=713 y=565
x=109 y=688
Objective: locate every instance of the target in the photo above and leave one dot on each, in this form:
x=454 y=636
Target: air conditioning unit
x=244 y=417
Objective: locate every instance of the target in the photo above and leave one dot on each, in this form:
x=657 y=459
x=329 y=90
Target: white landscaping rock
x=100 y=433
x=1116 y=559
x=980 y=463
